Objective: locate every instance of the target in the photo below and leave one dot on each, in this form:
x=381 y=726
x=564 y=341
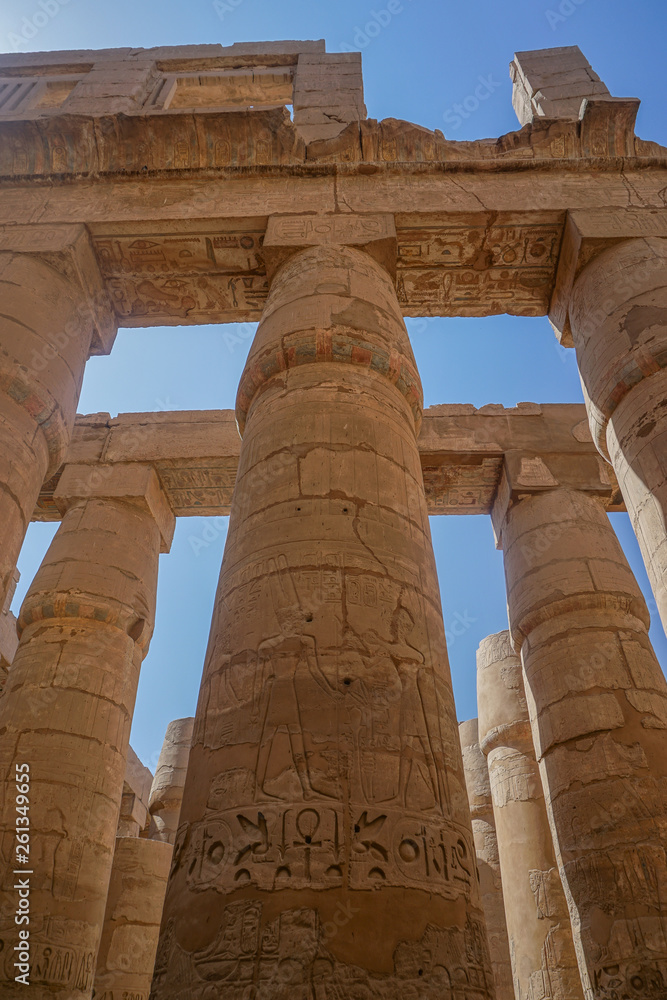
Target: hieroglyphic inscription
x=256 y=957
x=188 y=277
x=472 y=270
x=464 y=269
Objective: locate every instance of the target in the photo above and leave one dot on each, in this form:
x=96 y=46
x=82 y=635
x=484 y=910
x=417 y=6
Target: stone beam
x=154 y=141
x=552 y=83
x=462 y=450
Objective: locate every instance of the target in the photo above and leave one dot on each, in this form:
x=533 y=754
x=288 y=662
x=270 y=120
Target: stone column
x=598 y=707
x=544 y=963
x=167 y=789
x=54 y=313
x=618 y=314
x=9 y=640
x=65 y=720
x=132 y=920
x=488 y=863
x=325 y=845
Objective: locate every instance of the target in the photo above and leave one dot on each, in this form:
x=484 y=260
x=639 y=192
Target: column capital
x=588 y=233
x=502 y=706
x=68 y=249
x=525 y=474
x=287 y=234
x=331 y=303
x=135 y=483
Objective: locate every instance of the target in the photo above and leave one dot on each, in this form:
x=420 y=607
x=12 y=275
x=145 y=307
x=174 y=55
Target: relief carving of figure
x=416 y=745
x=286 y=661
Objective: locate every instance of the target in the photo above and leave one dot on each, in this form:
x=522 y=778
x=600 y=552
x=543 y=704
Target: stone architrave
x=54 y=313
x=65 y=719
x=488 y=863
x=618 y=315
x=132 y=920
x=544 y=963
x=597 y=700
x=325 y=845
x=166 y=793
x=133 y=818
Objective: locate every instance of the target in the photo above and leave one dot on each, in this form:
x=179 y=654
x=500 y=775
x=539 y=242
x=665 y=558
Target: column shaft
x=166 y=794
x=325 y=845
x=65 y=720
x=598 y=706
x=46 y=329
x=488 y=861
x=132 y=919
x=619 y=323
x=544 y=963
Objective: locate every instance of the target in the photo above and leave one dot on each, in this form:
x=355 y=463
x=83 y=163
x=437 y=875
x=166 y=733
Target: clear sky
x=421 y=61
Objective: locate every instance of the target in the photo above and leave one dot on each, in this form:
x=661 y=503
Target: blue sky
x=419 y=61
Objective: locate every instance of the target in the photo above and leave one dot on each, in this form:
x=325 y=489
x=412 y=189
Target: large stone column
x=8 y=638
x=544 y=963
x=325 y=846
x=54 y=313
x=618 y=314
x=488 y=862
x=132 y=920
x=65 y=721
x=598 y=706
x=169 y=781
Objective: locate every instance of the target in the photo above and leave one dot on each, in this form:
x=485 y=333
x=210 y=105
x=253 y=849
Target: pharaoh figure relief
x=325 y=792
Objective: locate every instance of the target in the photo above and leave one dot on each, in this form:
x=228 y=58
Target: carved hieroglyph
x=598 y=707
x=488 y=862
x=618 y=315
x=65 y=715
x=325 y=846
x=544 y=963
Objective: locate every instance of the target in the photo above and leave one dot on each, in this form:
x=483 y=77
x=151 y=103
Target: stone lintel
x=195 y=454
x=134 y=482
x=167 y=56
x=287 y=234
x=136 y=793
x=69 y=249
x=587 y=233
x=551 y=83
x=526 y=473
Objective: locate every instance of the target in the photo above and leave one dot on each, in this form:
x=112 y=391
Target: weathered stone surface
x=166 y=793
x=195 y=454
x=8 y=636
x=598 y=707
x=552 y=83
x=488 y=863
x=618 y=315
x=136 y=793
x=46 y=332
x=325 y=834
x=132 y=919
x=544 y=963
x=66 y=713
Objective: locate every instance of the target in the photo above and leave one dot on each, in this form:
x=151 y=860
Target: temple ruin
x=324 y=829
